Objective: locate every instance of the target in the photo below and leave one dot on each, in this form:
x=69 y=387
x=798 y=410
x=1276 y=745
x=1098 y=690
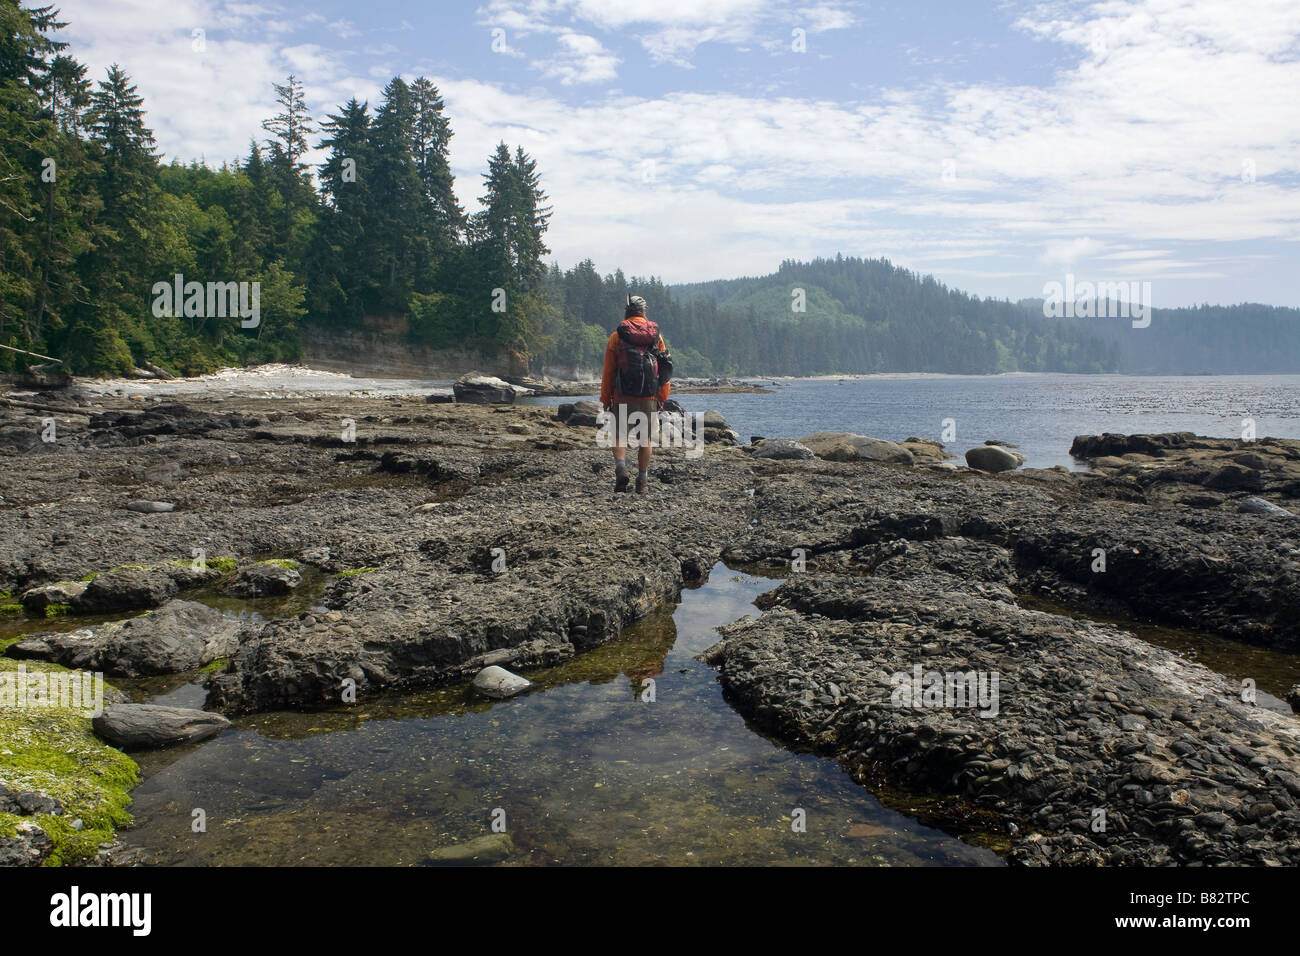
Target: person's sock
x=620 y=465
x=643 y=475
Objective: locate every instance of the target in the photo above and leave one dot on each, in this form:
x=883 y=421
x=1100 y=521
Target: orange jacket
x=607 y=394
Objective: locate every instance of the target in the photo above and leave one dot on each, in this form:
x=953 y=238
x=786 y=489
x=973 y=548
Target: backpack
x=637 y=359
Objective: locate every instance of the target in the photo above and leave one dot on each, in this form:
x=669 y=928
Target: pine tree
x=397 y=217
x=431 y=140
x=342 y=282
x=293 y=125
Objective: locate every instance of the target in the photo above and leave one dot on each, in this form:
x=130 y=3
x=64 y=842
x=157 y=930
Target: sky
x=997 y=145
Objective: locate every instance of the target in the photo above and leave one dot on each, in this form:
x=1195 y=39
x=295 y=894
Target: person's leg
x=621 y=476
x=643 y=451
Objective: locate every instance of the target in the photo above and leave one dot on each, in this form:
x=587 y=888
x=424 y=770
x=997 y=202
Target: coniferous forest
x=91 y=221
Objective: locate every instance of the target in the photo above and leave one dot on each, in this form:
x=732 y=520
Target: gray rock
x=177 y=637
x=1293 y=698
x=150 y=507
x=782 y=449
x=147 y=726
x=125 y=589
x=29 y=846
x=484 y=850
x=992 y=458
x=582 y=414
x=499 y=683
x=714 y=419
x=64 y=592
x=1260 y=506
x=261 y=580
x=486 y=390
x=846 y=446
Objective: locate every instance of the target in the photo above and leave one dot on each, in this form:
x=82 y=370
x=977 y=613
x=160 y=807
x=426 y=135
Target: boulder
x=264 y=579
x=925 y=450
x=992 y=458
x=498 y=683
x=782 y=449
x=493 y=848
x=125 y=589
x=846 y=446
x=65 y=592
x=179 y=636
x=714 y=419
x=146 y=726
x=579 y=414
x=486 y=390
x=1260 y=506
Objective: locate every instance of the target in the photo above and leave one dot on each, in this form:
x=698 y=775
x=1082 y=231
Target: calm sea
x=1039 y=413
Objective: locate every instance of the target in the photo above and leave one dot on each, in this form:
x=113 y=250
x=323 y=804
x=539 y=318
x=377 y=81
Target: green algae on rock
x=51 y=750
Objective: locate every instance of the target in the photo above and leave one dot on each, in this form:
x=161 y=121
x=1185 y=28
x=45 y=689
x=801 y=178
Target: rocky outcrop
x=845 y=446
x=179 y=636
x=125 y=589
x=265 y=578
x=1053 y=725
x=1196 y=471
x=782 y=449
x=486 y=390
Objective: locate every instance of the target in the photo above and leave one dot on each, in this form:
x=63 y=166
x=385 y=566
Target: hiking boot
x=642 y=485
x=621 y=479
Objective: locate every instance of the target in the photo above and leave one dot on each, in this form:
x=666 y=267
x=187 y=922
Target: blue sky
x=997 y=145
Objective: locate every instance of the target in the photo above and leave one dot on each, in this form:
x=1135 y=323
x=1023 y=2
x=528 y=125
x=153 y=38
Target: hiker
x=635 y=383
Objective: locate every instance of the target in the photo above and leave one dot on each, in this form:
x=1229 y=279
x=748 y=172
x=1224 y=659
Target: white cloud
x=579 y=59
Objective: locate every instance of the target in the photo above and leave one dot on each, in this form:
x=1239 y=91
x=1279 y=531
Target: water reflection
x=586 y=767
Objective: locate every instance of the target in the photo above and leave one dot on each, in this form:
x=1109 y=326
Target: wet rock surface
x=1084 y=723
x=177 y=637
x=148 y=726
x=484 y=543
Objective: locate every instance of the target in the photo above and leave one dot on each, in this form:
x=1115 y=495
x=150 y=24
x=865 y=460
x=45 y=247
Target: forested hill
x=869 y=315
x=865 y=315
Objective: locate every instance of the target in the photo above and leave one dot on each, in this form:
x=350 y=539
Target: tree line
x=92 y=223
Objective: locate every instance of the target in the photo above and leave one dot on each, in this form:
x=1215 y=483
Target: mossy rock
x=356 y=571
x=58 y=610
x=215 y=666
x=54 y=751
x=11 y=609
x=286 y=563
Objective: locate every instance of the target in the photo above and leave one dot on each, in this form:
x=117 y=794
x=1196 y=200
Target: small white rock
x=499 y=683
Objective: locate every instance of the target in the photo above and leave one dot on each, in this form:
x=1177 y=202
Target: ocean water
x=1041 y=414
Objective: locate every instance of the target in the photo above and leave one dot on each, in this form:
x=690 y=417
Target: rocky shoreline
x=453 y=537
